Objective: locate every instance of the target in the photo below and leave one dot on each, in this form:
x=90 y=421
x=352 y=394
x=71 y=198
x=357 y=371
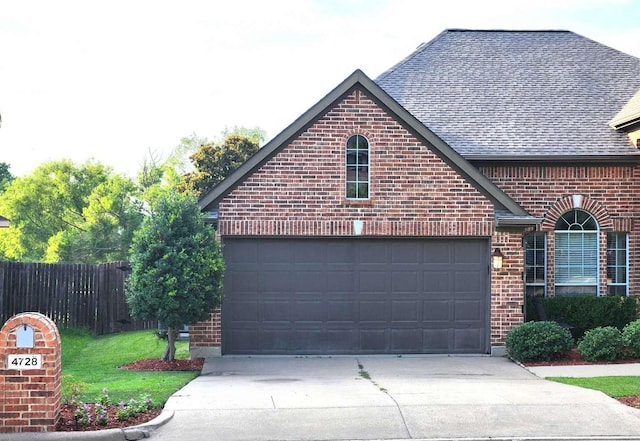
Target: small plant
x=71 y=390
x=603 y=343
x=104 y=398
x=534 y=341
x=83 y=414
x=133 y=407
x=631 y=338
x=101 y=414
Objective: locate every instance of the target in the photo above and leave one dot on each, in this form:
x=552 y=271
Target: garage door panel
x=244 y=311
x=404 y=282
x=372 y=282
x=436 y=280
x=436 y=310
x=373 y=340
x=342 y=340
x=274 y=311
x=275 y=281
x=373 y=311
x=467 y=281
x=436 y=341
x=406 y=340
x=436 y=252
x=308 y=282
x=276 y=252
x=309 y=311
x=242 y=280
x=372 y=252
x=245 y=339
x=349 y=296
x=340 y=281
x=403 y=311
x=467 y=252
x=341 y=311
x=467 y=311
x=311 y=340
x=466 y=339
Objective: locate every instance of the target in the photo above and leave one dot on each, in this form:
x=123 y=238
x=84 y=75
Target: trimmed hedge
x=631 y=337
x=588 y=312
x=536 y=341
x=602 y=344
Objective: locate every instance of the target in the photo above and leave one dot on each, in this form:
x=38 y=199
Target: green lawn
x=612 y=386
x=94 y=361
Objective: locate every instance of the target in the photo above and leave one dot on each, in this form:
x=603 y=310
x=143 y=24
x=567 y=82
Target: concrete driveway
x=374 y=398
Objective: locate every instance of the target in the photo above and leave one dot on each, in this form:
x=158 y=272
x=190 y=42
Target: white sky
x=113 y=80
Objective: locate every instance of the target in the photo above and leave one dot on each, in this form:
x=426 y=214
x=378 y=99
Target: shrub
x=603 y=343
x=589 y=312
x=534 y=341
x=631 y=338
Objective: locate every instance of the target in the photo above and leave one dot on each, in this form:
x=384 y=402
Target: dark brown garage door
x=355 y=296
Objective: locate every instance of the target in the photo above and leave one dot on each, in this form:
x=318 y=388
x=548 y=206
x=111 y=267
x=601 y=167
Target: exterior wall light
x=496 y=258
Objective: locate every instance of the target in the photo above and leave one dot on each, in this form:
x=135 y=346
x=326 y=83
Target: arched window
x=576 y=254
x=357 y=163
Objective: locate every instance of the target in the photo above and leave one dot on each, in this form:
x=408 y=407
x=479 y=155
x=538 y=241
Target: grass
x=91 y=363
x=612 y=386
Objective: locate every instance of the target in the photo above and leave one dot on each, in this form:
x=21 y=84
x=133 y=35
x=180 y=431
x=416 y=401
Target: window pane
x=617 y=257
x=357 y=167
x=351 y=173
x=576 y=258
x=535 y=263
x=351 y=189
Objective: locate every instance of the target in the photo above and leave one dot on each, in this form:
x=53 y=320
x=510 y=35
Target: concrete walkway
x=382 y=398
x=394 y=398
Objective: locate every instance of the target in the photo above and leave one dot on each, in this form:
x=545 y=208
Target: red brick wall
x=507 y=288
x=611 y=193
x=30 y=398
x=206 y=334
x=301 y=192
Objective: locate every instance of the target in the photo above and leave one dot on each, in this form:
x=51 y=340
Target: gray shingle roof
x=518 y=93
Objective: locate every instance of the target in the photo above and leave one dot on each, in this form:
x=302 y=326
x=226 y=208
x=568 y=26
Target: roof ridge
x=508 y=30
x=423 y=46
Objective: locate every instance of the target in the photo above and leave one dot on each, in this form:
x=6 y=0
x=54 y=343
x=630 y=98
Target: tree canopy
x=177 y=266
x=5 y=176
x=63 y=211
x=214 y=162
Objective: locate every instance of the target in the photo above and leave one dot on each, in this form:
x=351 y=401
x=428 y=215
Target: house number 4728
x=24 y=361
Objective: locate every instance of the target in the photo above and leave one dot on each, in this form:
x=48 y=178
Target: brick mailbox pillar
x=30 y=365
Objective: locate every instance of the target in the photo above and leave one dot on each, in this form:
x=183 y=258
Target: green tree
x=5 y=176
x=214 y=162
x=177 y=266
x=63 y=211
x=110 y=219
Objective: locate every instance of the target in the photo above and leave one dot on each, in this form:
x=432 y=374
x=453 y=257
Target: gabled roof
x=358 y=80
x=518 y=94
x=4 y=222
x=629 y=115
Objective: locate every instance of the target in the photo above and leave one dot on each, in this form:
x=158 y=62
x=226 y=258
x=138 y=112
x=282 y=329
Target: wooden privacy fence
x=72 y=295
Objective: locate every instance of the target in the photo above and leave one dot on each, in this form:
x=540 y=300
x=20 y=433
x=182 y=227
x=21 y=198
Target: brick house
x=374 y=222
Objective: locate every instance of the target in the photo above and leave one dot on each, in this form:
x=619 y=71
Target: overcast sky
x=113 y=80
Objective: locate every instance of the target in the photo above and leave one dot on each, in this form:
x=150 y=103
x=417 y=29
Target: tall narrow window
x=357 y=163
x=617 y=264
x=576 y=254
x=535 y=264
